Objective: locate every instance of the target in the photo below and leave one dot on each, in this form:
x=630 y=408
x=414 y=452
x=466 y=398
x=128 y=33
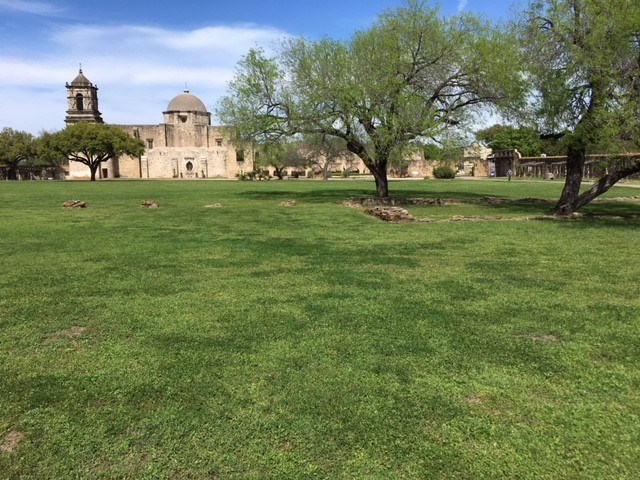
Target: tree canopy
x=323 y=151
x=408 y=77
x=15 y=147
x=91 y=144
x=503 y=137
x=281 y=155
x=584 y=64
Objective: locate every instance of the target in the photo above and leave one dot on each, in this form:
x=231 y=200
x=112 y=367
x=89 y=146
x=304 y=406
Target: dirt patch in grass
x=545 y=338
x=69 y=335
x=542 y=338
x=11 y=441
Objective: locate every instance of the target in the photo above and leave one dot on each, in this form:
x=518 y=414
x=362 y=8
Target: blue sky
x=141 y=53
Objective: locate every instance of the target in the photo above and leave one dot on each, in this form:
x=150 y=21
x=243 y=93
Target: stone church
x=185 y=145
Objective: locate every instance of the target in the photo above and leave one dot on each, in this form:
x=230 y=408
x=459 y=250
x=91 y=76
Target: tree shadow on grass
x=322 y=194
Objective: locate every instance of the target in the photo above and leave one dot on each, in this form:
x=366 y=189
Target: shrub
x=252 y=176
x=444 y=172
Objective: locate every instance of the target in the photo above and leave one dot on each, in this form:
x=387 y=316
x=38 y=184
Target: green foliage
x=525 y=140
x=432 y=152
x=282 y=155
x=583 y=62
x=378 y=91
x=322 y=151
x=583 y=59
x=253 y=175
x=503 y=137
x=91 y=144
x=15 y=147
x=444 y=172
x=255 y=341
x=488 y=135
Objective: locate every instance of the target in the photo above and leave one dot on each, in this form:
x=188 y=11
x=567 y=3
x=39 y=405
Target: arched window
x=189 y=166
x=79 y=102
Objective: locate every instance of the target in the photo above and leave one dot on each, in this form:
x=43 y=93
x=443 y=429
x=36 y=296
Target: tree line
x=87 y=143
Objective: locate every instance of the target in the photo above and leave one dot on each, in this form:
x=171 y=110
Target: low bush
x=444 y=172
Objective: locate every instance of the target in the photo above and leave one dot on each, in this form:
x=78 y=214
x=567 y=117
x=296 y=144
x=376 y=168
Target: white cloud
x=26 y=6
x=462 y=5
x=138 y=70
x=132 y=39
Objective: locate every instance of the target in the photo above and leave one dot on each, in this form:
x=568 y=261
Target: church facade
x=184 y=146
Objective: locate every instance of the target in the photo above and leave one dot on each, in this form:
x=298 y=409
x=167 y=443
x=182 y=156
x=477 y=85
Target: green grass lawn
x=259 y=341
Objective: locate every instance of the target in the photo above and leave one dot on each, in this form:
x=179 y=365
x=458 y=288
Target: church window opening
x=240 y=156
x=219 y=142
x=183 y=118
x=189 y=166
x=149 y=143
x=79 y=102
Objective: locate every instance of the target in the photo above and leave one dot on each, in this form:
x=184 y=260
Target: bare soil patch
x=11 y=441
x=545 y=338
x=69 y=335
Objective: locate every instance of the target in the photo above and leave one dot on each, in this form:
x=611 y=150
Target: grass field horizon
x=260 y=341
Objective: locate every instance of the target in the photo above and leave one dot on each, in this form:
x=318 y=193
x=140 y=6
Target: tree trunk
x=382 y=183
x=93 y=168
x=604 y=184
x=12 y=173
x=576 y=155
x=377 y=166
x=325 y=171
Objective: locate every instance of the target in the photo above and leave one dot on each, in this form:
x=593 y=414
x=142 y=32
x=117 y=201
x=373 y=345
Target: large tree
x=15 y=147
x=504 y=137
x=410 y=75
x=91 y=144
x=585 y=64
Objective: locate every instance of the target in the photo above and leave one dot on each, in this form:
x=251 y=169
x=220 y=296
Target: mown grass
x=262 y=341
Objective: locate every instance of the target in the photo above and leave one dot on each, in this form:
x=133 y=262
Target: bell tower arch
x=82 y=101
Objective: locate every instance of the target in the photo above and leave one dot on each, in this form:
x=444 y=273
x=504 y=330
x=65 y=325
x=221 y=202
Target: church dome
x=186 y=102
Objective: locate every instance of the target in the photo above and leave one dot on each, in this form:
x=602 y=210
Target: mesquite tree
x=409 y=76
x=584 y=62
x=91 y=144
x=15 y=146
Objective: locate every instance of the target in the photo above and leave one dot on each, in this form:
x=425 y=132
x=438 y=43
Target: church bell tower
x=82 y=99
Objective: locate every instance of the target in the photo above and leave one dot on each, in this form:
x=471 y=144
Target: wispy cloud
x=462 y=5
x=132 y=37
x=137 y=68
x=26 y=6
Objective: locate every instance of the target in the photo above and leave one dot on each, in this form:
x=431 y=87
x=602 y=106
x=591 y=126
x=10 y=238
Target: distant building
x=477 y=160
x=185 y=145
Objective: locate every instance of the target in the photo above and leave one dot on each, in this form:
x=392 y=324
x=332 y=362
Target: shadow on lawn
x=605 y=212
x=340 y=195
